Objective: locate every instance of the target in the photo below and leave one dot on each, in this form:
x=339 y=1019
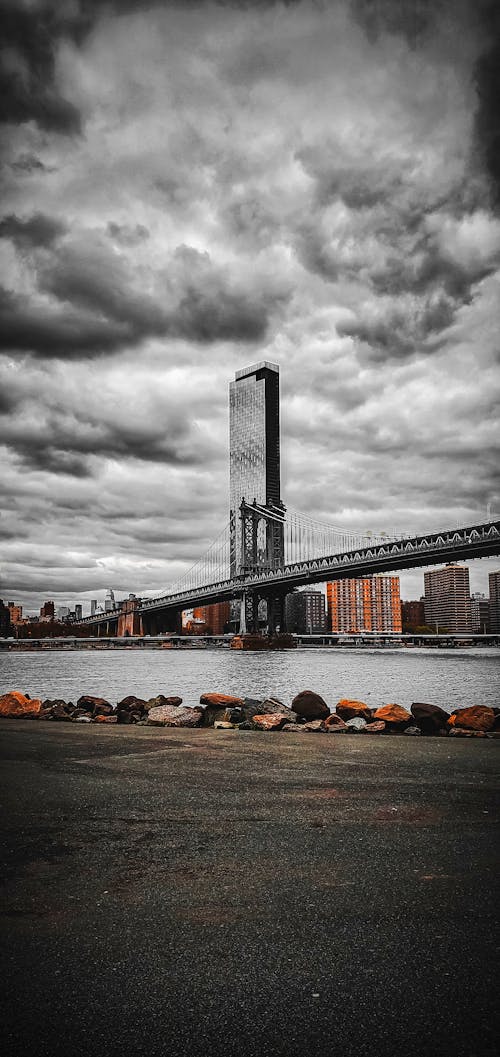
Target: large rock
x=18 y=705
x=220 y=701
x=430 y=718
x=377 y=727
x=314 y=726
x=270 y=721
x=270 y=706
x=174 y=716
x=103 y=710
x=62 y=713
x=309 y=706
x=106 y=719
x=334 y=724
x=131 y=703
x=89 y=702
x=292 y=728
x=356 y=725
x=478 y=717
x=348 y=709
x=159 y=701
x=395 y=716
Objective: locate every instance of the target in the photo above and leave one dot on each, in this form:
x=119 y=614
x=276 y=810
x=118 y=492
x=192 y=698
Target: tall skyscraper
x=447 y=598
x=370 y=603
x=254 y=456
x=480 y=613
x=494 y=582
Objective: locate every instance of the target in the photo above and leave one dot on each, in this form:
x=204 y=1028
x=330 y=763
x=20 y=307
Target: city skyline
x=191 y=188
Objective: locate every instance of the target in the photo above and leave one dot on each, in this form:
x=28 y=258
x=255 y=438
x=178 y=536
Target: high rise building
x=480 y=613
x=93 y=606
x=78 y=611
x=254 y=456
x=413 y=614
x=5 y=621
x=305 y=612
x=109 y=601
x=447 y=599
x=47 y=611
x=370 y=603
x=494 y=584
x=16 y=613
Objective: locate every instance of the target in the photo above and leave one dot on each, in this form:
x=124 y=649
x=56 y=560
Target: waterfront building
x=16 y=613
x=47 y=611
x=413 y=614
x=370 y=603
x=5 y=622
x=447 y=599
x=480 y=613
x=494 y=585
x=254 y=457
x=210 y=620
x=305 y=612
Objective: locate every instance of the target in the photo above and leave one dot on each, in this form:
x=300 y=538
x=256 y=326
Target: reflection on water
x=444 y=677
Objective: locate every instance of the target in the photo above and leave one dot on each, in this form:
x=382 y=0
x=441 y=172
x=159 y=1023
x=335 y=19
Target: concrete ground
x=230 y=893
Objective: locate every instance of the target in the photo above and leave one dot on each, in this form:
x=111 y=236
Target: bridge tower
x=256 y=511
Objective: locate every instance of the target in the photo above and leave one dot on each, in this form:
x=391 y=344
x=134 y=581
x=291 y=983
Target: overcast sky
x=191 y=187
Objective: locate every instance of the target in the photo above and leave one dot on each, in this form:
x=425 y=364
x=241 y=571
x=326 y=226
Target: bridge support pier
x=276 y=612
x=249 y=613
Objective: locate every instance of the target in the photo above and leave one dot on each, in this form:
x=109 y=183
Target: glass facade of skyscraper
x=254 y=444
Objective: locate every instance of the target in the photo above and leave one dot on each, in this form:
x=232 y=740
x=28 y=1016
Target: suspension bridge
x=284 y=549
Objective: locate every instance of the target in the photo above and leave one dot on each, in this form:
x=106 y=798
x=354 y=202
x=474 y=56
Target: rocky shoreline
x=308 y=713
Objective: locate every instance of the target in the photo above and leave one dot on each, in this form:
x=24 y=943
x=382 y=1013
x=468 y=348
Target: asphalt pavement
x=247 y=895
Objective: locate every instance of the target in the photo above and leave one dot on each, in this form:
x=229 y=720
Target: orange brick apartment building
x=371 y=603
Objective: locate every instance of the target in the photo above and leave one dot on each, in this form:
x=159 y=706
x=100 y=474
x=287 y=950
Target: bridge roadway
x=461 y=544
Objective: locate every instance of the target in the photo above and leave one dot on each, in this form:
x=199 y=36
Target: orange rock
x=374 y=728
x=16 y=704
x=348 y=709
x=334 y=723
x=478 y=717
x=220 y=700
x=272 y=722
x=393 y=714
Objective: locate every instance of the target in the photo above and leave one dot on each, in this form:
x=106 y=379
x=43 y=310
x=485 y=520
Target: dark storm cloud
x=47 y=332
x=28 y=90
x=487 y=77
x=95 y=307
x=37 y=230
x=401 y=332
x=410 y=19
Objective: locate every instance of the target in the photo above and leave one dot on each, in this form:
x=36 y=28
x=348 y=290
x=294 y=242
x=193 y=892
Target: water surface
x=449 y=678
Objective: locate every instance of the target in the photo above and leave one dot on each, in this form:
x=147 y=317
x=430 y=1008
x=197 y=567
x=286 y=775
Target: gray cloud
x=193 y=187
x=37 y=230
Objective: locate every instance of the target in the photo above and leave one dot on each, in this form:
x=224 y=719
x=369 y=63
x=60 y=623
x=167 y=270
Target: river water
x=450 y=678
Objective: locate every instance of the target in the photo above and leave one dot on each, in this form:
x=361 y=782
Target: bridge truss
x=313 y=553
